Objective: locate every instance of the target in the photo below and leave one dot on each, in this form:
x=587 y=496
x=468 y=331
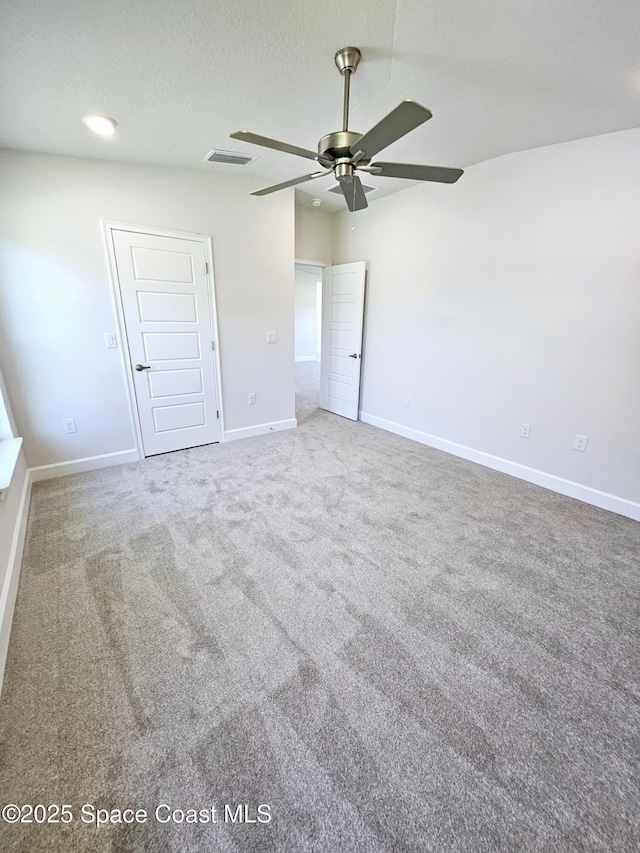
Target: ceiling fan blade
x=442 y=174
x=406 y=116
x=354 y=194
x=291 y=183
x=256 y=139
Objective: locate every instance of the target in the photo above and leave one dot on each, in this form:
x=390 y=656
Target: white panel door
x=342 y=317
x=165 y=301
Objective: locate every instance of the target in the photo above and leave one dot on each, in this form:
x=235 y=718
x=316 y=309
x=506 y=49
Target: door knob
x=143 y=367
x=355 y=355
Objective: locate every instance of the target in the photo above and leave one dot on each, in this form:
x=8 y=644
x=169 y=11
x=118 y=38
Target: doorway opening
x=329 y=316
x=308 y=337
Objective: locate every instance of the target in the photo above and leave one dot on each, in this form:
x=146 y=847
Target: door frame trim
x=309 y=263
x=108 y=227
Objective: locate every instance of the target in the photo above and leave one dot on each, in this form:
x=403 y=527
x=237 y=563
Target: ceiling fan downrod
x=347 y=59
x=345 y=109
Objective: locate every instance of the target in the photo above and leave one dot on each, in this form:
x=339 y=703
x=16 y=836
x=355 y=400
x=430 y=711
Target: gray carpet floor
x=307 y=385
x=392 y=648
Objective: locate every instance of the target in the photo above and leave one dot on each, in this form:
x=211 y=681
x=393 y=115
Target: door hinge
x=217 y=413
x=213 y=345
x=206 y=267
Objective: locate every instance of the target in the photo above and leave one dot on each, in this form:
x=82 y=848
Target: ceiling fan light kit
x=345 y=152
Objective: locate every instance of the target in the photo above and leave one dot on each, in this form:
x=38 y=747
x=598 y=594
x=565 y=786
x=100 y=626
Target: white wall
x=306 y=314
x=314 y=235
x=56 y=303
x=512 y=297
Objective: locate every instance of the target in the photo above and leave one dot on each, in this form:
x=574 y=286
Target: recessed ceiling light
x=102 y=125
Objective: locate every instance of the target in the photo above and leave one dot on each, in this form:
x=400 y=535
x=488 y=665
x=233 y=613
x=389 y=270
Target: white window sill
x=9 y=453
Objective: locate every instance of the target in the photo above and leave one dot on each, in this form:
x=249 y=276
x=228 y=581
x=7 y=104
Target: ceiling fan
x=344 y=152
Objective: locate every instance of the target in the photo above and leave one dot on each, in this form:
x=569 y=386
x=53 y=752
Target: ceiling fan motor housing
x=335 y=146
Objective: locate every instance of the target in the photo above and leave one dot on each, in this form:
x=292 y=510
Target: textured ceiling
x=179 y=77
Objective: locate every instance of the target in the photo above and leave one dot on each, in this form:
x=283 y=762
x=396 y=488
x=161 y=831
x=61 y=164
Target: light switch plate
x=110 y=340
x=272 y=337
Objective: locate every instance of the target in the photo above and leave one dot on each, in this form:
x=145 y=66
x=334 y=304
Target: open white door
x=165 y=303
x=342 y=318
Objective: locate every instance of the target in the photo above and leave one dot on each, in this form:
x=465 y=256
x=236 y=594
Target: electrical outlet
x=272 y=337
x=110 y=340
x=409 y=402
x=580 y=442
x=69 y=425
x=251 y=398
x=525 y=430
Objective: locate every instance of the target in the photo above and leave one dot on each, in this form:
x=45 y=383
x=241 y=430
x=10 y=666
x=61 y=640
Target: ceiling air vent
x=231 y=158
x=338 y=189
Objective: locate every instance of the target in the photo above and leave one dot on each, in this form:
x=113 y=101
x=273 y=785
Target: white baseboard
x=259 y=429
x=307 y=358
x=588 y=495
x=78 y=466
x=10 y=586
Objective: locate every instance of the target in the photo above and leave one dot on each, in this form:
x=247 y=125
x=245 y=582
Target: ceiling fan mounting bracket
x=347 y=59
